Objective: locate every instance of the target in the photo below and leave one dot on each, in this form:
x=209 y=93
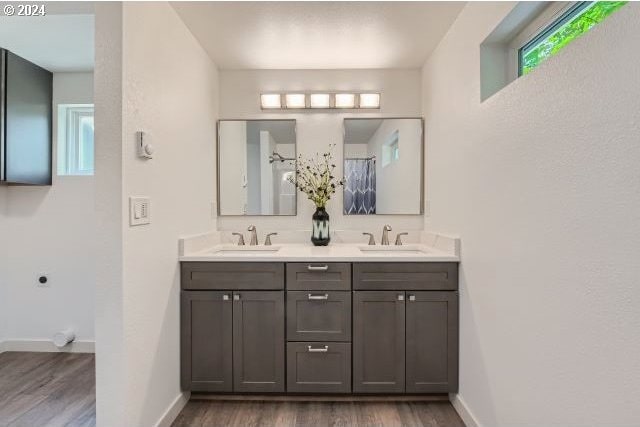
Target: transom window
x=75 y=139
x=579 y=18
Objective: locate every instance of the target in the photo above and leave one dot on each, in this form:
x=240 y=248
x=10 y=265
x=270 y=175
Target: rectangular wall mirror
x=255 y=158
x=383 y=166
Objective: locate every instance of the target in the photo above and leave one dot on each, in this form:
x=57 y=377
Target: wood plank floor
x=206 y=413
x=47 y=389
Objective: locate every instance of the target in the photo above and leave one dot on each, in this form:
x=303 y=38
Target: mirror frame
x=219 y=121
x=422 y=162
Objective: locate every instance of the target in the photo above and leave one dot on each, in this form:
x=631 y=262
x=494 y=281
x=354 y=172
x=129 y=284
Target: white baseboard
x=47 y=346
x=463 y=410
x=173 y=410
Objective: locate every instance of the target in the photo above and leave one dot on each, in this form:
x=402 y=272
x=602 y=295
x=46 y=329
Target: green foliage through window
x=572 y=24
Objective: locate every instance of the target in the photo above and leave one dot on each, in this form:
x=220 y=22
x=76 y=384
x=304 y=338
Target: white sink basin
x=394 y=250
x=234 y=250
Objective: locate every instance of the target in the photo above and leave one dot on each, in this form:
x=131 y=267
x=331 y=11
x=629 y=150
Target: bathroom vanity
x=341 y=319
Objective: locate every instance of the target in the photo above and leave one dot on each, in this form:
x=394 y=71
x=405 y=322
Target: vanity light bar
x=301 y=101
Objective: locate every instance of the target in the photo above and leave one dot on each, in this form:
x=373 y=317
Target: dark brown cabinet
x=258 y=341
x=432 y=342
x=207 y=341
x=395 y=332
x=378 y=342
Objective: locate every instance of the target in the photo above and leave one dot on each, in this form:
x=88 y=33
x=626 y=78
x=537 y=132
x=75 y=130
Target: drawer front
x=232 y=275
x=318 y=316
x=318 y=367
x=428 y=276
x=330 y=276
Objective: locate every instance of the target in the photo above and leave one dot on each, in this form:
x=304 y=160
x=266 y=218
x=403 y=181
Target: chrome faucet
x=267 y=240
x=399 y=238
x=385 y=234
x=254 y=235
x=372 y=240
x=240 y=238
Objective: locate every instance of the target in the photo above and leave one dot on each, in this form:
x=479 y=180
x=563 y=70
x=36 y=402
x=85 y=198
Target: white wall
x=46 y=231
x=398 y=183
x=541 y=182
x=240 y=97
x=170 y=89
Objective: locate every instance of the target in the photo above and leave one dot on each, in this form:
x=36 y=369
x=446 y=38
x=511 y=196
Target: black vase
x=320 y=231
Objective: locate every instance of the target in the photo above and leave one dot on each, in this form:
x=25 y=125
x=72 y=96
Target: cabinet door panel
x=318 y=316
x=206 y=341
x=432 y=342
x=258 y=341
x=378 y=342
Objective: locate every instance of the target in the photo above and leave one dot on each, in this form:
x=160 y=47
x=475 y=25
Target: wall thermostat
x=145 y=148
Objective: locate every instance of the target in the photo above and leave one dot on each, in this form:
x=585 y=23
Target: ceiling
x=318 y=35
x=360 y=131
x=62 y=40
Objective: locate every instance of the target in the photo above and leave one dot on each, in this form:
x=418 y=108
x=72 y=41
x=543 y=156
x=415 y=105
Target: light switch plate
x=139 y=211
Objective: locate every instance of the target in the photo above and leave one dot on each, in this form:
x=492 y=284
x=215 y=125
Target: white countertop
x=306 y=252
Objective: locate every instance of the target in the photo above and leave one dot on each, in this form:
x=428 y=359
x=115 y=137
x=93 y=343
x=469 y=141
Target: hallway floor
x=47 y=389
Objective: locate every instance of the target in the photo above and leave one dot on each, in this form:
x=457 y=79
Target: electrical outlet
x=139 y=211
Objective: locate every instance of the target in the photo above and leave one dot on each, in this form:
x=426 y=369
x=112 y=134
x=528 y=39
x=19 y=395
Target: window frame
x=69 y=138
x=564 y=15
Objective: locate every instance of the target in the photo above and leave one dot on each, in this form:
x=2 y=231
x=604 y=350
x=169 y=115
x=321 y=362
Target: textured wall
x=541 y=182
x=169 y=89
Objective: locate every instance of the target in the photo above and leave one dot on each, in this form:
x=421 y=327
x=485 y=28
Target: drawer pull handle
x=318 y=297
x=317 y=267
x=318 y=350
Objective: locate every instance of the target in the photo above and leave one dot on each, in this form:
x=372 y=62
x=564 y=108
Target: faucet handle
x=372 y=240
x=251 y=228
x=240 y=238
x=387 y=227
x=267 y=240
x=399 y=238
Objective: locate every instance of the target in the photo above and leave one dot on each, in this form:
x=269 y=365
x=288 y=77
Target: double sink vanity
x=294 y=318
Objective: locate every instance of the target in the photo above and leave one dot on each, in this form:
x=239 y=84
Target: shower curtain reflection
x=360 y=186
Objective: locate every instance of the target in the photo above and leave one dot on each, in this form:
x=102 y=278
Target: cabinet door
x=206 y=341
x=432 y=342
x=378 y=342
x=258 y=341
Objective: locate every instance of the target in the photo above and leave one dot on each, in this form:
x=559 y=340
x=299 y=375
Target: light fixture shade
x=369 y=100
x=320 y=100
x=345 y=100
x=295 y=100
x=270 y=100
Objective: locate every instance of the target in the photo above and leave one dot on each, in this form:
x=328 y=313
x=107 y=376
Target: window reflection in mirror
x=383 y=166
x=255 y=157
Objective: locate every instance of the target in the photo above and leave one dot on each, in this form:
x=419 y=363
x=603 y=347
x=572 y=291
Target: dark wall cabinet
x=26 y=94
x=397 y=332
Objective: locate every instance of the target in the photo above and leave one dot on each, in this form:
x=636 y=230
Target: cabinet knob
x=412 y=297
x=236 y=297
x=225 y=297
x=401 y=297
